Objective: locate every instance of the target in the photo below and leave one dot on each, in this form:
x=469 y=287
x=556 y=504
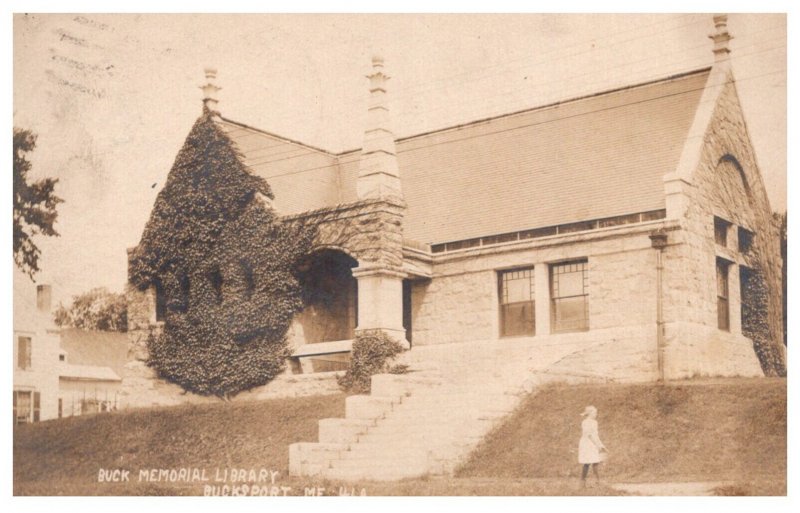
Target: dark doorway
x=330 y=294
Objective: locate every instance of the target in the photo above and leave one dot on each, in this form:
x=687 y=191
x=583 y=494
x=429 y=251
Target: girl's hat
x=589 y=410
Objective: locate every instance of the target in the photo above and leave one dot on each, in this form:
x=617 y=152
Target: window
x=161 y=302
x=26 y=406
x=24 y=352
x=182 y=303
x=62 y=358
x=745 y=240
x=569 y=293
x=516 y=303
x=723 y=312
x=721 y=231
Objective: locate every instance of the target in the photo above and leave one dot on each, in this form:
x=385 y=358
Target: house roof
x=88 y=372
x=592 y=157
x=91 y=348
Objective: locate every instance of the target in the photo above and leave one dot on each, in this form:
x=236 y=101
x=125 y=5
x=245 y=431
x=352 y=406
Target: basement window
x=517 y=303
x=569 y=293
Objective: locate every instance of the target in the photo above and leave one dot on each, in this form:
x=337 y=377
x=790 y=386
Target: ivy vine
x=225 y=263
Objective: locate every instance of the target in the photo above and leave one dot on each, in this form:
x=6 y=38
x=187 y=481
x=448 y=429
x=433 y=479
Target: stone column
x=380 y=302
x=541 y=284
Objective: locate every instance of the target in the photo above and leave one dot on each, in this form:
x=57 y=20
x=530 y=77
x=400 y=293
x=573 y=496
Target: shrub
x=372 y=352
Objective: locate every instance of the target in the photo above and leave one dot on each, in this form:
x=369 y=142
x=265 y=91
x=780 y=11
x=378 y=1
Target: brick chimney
x=210 y=90
x=378 y=175
x=44 y=295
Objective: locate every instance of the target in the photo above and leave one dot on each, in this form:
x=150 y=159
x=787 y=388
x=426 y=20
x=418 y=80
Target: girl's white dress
x=590 y=444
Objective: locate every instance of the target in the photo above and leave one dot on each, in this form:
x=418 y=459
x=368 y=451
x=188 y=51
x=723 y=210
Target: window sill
x=576 y=330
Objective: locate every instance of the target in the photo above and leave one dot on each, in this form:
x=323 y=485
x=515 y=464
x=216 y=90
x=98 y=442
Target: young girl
x=591 y=450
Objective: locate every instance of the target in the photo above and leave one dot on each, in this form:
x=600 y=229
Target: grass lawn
x=716 y=430
x=704 y=430
x=63 y=457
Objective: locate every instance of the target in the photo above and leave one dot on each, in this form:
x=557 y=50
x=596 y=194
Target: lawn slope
x=731 y=431
x=705 y=430
x=64 y=456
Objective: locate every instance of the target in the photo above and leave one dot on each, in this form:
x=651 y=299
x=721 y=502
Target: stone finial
x=721 y=37
x=210 y=90
x=378 y=175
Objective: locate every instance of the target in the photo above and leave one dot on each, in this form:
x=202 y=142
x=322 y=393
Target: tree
x=34 y=205
x=97 y=309
x=224 y=263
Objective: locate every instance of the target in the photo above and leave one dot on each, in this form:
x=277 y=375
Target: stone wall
x=370 y=231
x=141 y=388
x=460 y=303
x=455 y=308
x=695 y=350
x=727 y=184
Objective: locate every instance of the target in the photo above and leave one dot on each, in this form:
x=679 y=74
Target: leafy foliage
x=34 y=205
x=224 y=262
x=760 y=280
x=755 y=322
x=97 y=309
x=372 y=352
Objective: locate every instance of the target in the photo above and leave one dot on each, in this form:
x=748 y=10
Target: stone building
x=623 y=228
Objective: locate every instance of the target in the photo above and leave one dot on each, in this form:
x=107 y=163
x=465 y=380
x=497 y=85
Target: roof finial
x=378 y=172
x=210 y=90
x=721 y=37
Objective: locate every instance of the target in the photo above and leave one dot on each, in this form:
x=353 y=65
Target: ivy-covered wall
x=225 y=265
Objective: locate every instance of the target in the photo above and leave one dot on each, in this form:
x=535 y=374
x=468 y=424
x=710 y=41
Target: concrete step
x=371 y=474
x=400 y=436
x=343 y=431
x=403 y=384
x=307 y=456
x=374 y=446
x=506 y=404
x=373 y=469
x=369 y=406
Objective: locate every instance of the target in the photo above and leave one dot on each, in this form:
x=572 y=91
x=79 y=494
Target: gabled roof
x=92 y=348
x=592 y=157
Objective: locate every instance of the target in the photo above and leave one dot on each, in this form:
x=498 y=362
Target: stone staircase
x=426 y=421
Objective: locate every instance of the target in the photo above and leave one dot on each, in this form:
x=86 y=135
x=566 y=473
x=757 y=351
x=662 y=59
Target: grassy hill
x=716 y=430
x=704 y=430
x=64 y=456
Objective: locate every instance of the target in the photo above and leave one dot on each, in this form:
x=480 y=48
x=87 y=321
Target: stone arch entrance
x=330 y=295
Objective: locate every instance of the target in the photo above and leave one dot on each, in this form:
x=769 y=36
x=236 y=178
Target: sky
x=112 y=97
